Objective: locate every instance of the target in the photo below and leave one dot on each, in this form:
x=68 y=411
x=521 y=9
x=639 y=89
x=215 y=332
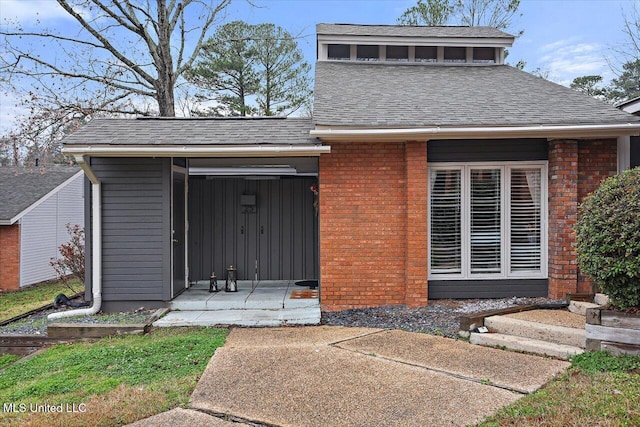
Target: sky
x=563 y=38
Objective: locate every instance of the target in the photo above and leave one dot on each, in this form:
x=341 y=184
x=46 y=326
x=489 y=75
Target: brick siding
x=576 y=168
x=373 y=225
x=597 y=160
x=10 y=257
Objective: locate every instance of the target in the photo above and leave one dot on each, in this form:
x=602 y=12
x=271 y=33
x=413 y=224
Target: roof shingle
x=414 y=95
x=20 y=187
x=194 y=131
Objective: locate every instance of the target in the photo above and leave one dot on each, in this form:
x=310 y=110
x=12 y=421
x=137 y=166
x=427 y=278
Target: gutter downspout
x=96 y=247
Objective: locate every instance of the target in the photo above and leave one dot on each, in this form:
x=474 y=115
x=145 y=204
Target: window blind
x=525 y=223
x=485 y=221
x=446 y=222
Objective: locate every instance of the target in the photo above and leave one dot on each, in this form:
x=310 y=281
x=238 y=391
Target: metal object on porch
x=213 y=283
x=231 y=284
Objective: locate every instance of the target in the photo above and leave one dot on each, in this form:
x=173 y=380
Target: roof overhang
x=422 y=41
x=271 y=150
x=329 y=134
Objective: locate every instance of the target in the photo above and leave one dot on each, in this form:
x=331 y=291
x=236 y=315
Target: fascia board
x=422 y=41
x=196 y=151
x=408 y=134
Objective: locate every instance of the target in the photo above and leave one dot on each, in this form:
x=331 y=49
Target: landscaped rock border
x=614 y=331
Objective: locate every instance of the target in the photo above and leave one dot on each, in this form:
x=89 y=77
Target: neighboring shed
x=36 y=203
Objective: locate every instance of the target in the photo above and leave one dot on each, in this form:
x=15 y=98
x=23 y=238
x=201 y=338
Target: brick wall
x=597 y=160
x=372 y=248
x=563 y=207
x=417 y=195
x=575 y=169
x=10 y=257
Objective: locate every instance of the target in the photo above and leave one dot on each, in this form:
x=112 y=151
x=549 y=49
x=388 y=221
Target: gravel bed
x=440 y=317
x=36 y=324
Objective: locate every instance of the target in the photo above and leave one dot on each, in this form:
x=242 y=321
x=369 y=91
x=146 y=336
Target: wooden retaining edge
x=68 y=332
x=26 y=344
x=617 y=332
x=475 y=320
x=85 y=330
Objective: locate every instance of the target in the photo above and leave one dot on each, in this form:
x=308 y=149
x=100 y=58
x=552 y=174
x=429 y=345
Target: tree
x=226 y=67
x=589 y=85
x=285 y=85
x=122 y=49
x=492 y=13
x=429 y=12
x=627 y=84
x=261 y=62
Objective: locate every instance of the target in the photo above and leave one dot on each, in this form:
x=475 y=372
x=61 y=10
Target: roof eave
x=329 y=134
x=271 y=150
x=412 y=40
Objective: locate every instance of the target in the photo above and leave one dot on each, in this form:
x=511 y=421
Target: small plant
x=608 y=238
x=70 y=264
x=603 y=361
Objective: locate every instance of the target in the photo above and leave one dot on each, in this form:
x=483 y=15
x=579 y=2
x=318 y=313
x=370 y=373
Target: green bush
x=608 y=238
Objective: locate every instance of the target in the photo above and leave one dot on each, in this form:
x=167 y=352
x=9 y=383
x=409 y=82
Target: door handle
x=262 y=229
x=242 y=229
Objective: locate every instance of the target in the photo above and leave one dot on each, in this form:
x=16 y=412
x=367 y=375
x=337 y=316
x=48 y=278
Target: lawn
x=598 y=390
x=15 y=303
x=110 y=382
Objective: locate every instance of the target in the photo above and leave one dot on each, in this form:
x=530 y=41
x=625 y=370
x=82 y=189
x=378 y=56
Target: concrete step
x=248 y=318
x=580 y=307
x=537 y=331
x=528 y=345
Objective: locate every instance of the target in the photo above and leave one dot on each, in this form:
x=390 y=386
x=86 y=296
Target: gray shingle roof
x=413 y=95
x=20 y=187
x=409 y=31
x=188 y=131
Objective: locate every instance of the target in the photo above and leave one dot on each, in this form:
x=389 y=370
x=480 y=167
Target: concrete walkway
x=317 y=376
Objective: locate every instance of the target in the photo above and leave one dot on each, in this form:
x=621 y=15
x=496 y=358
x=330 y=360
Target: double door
x=266 y=228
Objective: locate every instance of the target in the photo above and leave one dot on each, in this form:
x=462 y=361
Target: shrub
x=608 y=238
x=70 y=264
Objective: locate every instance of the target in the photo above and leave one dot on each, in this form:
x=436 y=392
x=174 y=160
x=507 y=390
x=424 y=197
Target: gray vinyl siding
x=43 y=230
x=487 y=150
x=135 y=229
x=282 y=233
x=439 y=289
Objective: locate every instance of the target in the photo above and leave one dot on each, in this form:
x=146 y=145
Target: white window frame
x=505 y=209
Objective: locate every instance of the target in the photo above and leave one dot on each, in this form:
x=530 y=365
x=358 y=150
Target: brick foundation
x=576 y=168
x=373 y=225
x=10 y=257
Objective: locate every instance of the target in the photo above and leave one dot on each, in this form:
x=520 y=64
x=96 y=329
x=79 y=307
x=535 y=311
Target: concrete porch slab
x=247 y=318
x=184 y=418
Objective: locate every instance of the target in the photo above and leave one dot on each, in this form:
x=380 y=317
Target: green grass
x=7 y=359
x=147 y=374
x=597 y=390
x=15 y=303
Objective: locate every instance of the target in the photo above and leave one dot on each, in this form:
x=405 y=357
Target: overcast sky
x=566 y=38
